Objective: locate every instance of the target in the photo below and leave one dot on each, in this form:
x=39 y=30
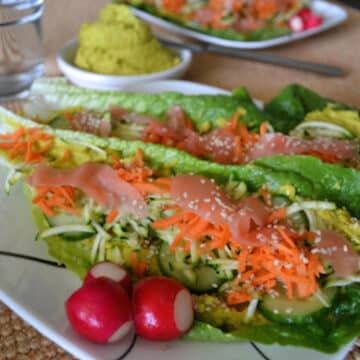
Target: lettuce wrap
x=227 y=129
x=296 y=103
x=271 y=28
x=312 y=192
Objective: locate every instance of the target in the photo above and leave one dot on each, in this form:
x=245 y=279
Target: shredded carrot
x=139 y=267
x=139 y=157
x=27 y=144
x=277 y=215
x=173 y=6
x=233 y=123
x=242 y=260
x=265 y=194
x=197 y=228
x=282 y=261
x=237 y=297
x=192 y=227
x=52 y=199
x=244 y=132
x=149 y=188
x=111 y=216
x=167 y=222
x=46 y=210
x=69 y=116
x=135 y=172
x=67 y=155
x=263 y=128
x=330 y=158
x=286 y=237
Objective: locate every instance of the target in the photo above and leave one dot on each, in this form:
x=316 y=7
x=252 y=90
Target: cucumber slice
x=298 y=220
x=199 y=278
x=69 y=232
x=314 y=129
x=335 y=282
x=297 y=311
x=66 y=220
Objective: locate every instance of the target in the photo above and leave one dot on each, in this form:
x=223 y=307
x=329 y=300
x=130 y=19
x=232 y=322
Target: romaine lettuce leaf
x=290 y=106
x=49 y=96
x=335 y=329
x=269 y=32
x=312 y=179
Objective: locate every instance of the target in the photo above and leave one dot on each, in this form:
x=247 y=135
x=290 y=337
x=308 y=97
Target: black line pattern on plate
x=260 y=352
x=131 y=346
x=55 y=264
x=31 y=258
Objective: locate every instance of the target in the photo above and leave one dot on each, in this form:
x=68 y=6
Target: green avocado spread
x=119 y=43
x=348 y=119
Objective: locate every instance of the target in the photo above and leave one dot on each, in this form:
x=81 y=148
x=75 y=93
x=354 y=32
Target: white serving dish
x=87 y=79
x=37 y=291
x=333 y=15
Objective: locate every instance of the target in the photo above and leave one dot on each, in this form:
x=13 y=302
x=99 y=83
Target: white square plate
x=37 y=291
x=332 y=14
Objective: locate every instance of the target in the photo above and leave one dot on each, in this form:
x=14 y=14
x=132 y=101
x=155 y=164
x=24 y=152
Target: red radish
x=111 y=271
x=304 y=13
x=296 y=24
x=313 y=21
x=100 y=311
x=163 y=309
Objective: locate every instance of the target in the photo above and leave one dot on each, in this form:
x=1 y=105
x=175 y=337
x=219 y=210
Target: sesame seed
x=345 y=248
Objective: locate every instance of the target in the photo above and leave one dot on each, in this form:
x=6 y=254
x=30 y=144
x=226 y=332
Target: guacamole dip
x=119 y=43
x=348 y=119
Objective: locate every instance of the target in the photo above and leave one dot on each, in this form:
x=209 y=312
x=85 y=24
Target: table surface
x=339 y=46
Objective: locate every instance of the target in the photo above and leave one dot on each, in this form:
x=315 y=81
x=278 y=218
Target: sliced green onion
x=251 y=309
x=225 y=264
x=312 y=219
x=91 y=146
x=314 y=205
x=343 y=282
x=193 y=252
x=321 y=129
x=66 y=229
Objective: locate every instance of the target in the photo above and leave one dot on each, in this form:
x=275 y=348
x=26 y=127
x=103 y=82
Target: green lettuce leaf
x=54 y=95
x=332 y=331
x=310 y=177
x=290 y=106
x=269 y=32
x=75 y=255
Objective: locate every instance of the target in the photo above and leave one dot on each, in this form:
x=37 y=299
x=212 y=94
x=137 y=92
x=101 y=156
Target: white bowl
x=87 y=79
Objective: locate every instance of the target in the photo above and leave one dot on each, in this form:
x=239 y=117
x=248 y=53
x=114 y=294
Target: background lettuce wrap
x=229 y=129
x=51 y=96
x=269 y=30
x=294 y=104
x=325 y=332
